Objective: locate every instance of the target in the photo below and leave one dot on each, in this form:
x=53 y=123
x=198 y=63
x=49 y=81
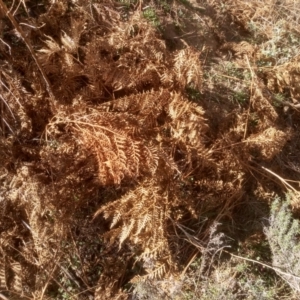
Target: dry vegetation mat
x=142 y=145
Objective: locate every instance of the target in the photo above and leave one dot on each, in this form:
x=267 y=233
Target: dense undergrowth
x=142 y=145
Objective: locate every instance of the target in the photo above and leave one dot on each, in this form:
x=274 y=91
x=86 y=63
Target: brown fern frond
x=52 y=48
x=146 y=108
x=268 y=143
x=71 y=41
x=240 y=49
x=104 y=15
x=187 y=120
x=187 y=128
x=137 y=34
x=187 y=68
x=143 y=223
x=14 y=100
x=107 y=136
x=261 y=104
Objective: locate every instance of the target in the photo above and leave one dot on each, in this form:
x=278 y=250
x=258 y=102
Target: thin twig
x=15 y=293
x=7 y=88
x=231 y=77
x=190 y=238
x=16 y=8
x=50 y=276
x=251 y=95
x=276 y=269
x=84 y=280
x=28 y=45
x=280 y=178
x=9 y=48
x=3 y=297
x=5 y=102
x=189 y=263
x=6 y=123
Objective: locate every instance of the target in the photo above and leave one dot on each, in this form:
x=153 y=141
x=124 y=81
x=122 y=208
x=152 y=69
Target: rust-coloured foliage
x=123 y=154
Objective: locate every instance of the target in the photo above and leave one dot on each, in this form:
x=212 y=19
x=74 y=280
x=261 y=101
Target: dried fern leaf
x=187 y=68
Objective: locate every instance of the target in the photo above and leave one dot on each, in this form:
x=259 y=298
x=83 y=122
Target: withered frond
x=188 y=123
x=107 y=136
x=52 y=48
x=143 y=222
x=268 y=143
x=137 y=154
x=187 y=67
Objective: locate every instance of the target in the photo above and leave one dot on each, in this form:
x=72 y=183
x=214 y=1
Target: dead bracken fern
x=125 y=135
x=117 y=154
x=143 y=223
x=120 y=175
x=128 y=139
